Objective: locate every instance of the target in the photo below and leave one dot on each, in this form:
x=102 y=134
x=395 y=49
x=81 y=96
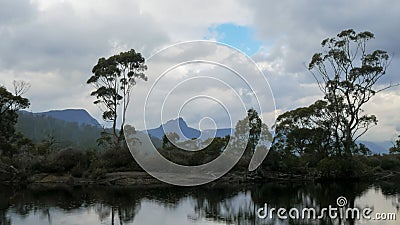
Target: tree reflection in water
x=220 y=204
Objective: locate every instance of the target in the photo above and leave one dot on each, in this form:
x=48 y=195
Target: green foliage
x=304 y=131
x=50 y=134
x=78 y=171
x=252 y=129
x=255 y=125
x=339 y=168
x=10 y=103
x=347 y=74
x=169 y=139
x=105 y=139
x=361 y=149
x=272 y=161
x=193 y=158
x=114 y=79
x=323 y=135
x=390 y=163
x=396 y=147
x=373 y=162
x=70 y=158
x=119 y=159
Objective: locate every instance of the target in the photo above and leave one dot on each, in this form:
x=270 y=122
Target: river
x=41 y=205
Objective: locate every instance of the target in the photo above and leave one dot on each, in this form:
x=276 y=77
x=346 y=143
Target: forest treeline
x=313 y=142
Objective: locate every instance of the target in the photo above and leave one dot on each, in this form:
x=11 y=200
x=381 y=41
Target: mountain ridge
x=79 y=116
x=82 y=117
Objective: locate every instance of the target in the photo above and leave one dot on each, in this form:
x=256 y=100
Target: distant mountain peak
x=178 y=121
x=179 y=126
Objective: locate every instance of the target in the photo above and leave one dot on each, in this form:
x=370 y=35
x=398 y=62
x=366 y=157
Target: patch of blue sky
x=240 y=37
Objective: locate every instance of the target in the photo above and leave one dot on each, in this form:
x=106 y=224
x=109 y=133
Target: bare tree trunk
x=112 y=216
x=120 y=216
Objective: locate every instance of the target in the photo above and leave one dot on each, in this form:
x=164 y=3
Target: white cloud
x=230 y=85
x=54 y=44
x=296 y=29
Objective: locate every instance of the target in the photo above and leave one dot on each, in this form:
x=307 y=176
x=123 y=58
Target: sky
x=54 y=44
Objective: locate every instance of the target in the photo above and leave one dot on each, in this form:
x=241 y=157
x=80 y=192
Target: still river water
x=181 y=206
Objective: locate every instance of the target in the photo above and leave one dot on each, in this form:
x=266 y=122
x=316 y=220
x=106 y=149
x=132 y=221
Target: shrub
x=77 y=171
x=327 y=167
x=118 y=159
x=98 y=172
x=373 y=161
x=377 y=169
x=341 y=168
x=390 y=163
x=66 y=159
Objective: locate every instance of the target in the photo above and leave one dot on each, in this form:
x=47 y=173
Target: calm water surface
x=176 y=206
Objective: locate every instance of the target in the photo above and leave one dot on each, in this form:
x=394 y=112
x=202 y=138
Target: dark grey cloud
x=69 y=38
x=54 y=47
x=16 y=12
x=300 y=26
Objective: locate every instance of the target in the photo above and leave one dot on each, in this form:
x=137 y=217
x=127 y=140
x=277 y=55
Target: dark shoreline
x=143 y=179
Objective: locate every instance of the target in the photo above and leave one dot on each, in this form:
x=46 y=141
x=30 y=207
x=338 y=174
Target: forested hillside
x=57 y=132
